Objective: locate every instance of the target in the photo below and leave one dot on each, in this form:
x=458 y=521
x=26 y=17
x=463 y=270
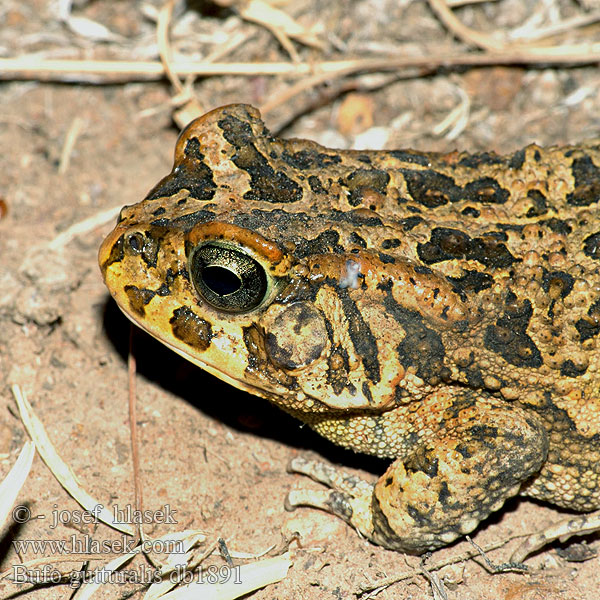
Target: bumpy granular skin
x=440 y=310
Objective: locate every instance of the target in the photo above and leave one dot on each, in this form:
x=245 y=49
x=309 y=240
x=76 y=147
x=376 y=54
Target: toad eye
x=227 y=278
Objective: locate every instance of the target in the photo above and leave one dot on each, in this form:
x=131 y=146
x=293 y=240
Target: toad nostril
x=136 y=242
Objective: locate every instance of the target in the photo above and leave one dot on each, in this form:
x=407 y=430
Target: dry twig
x=388 y=581
x=108 y=71
x=500 y=42
x=73 y=133
x=468 y=35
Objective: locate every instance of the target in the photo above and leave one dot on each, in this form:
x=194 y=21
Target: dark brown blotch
x=587 y=182
x=390 y=243
x=472 y=281
x=191 y=329
x=589 y=326
x=339 y=368
x=539 y=204
x=191 y=174
x=310 y=158
x=116 y=254
x=557 y=226
x=267 y=185
x=363 y=340
x=486 y=191
x=508 y=336
x=570 y=369
x=517 y=160
x=557 y=284
x=422 y=348
x=315 y=185
x=356 y=239
x=430 y=188
x=410 y=223
x=138 y=298
x=362 y=181
x=479 y=159
x=446 y=244
x=490 y=252
x=470 y=211
x=325 y=243
x=591 y=246
x=411 y=156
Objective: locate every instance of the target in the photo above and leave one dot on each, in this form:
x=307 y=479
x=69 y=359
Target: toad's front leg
x=442 y=489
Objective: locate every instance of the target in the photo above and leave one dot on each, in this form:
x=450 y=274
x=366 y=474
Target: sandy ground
x=214 y=455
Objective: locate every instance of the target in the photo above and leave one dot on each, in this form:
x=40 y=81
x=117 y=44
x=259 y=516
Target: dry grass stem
x=73 y=133
x=105 y=71
x=164 y=48
x=388 y=581
x=243 y=580
x=466 y=34
x=500 y=42
x=276 y=21
x=85 y=226
x=563 y=530
x=457 y=3
x=556 y=28
x=11 y=485
x=281 y=25
x=59 y=468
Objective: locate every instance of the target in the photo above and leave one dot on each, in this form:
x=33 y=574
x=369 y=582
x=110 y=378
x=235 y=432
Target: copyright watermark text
x=120 y=515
